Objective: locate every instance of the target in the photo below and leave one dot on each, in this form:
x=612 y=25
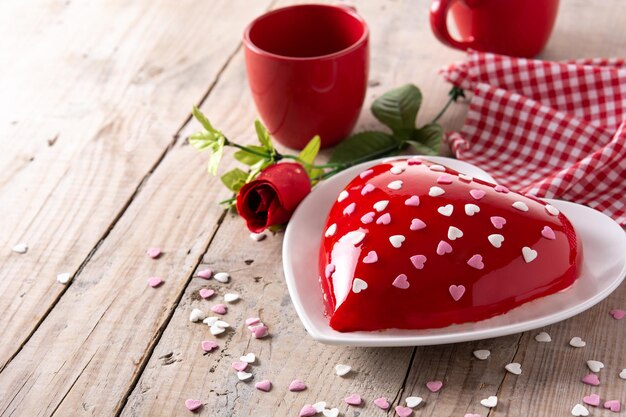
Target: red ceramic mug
x=307 y=67
x=507 y=27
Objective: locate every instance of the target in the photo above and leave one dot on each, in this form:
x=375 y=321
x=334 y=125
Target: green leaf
x=234 y=179
x=365 y=146
x=427 y=139
x=204 y=121
x=308 y=154
x=264 y=136
x=202 y=140
x=398 y=108
x=250 y=158
x=217 y=149
x=257 y=168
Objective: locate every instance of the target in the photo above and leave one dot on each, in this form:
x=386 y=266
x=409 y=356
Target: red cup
x=307 y=67
x=507 y=27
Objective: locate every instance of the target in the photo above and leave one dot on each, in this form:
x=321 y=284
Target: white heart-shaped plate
x=603 y=269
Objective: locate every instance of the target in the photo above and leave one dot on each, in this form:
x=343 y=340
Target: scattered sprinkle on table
x=514 y=368
x=543 y=337
x=20 y=248
x=595 y=366
x=154 y=253
x=206 y=293
x=219 y=309
x=196 y=315
x=404 y=411
x=205 y=273
x=577 y=342
x=353 y=399
x=382 y=403
x=296 y=386
x=342 y=370
x=618 y=314
x=307 y=411
x=580 y=410
x=434 y=386
x=231 y=297
x=482 y=354
x=413 y=402
x=257 y=237
x=208 y=345
x=64 y=277
x=591 y=379
x=155 y=282
x=490 y=402
x=244 y=376
x=264 y=385
x=193 y=405
x=248 y=358
x=222 y=277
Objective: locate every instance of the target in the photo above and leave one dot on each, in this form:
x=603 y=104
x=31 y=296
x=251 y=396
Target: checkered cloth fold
x=550 y=129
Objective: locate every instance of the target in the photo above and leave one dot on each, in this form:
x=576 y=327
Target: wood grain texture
x=89 y=106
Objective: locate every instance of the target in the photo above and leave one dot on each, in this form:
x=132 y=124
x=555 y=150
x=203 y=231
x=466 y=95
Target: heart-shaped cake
x=410 y=244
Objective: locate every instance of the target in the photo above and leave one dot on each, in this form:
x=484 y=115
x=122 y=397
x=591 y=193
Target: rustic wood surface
x=95 y=169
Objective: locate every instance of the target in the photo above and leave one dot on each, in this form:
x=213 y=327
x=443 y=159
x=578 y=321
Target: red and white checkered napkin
x=551 y=129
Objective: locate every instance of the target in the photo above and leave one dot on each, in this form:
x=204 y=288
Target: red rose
x=272 y=198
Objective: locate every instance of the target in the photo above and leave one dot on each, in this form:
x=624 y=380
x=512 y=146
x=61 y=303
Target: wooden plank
x=108 y=85
x=402 y=48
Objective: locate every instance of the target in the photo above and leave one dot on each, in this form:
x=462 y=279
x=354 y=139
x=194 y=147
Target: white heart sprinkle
x=342 y=196
x=397 y=169
x=520 y=206
x=331 y=230
x=319 y=406
x=64 y=277
x=496 y=240
x=446 y=210
x=257 y=237
x=552 y=210
x=231 y=297
x=543 y=337
x=215 y=330
x=210 y=320
x=342 y=370
x=577 y=342
x=248 y=358
x=395 y=185
x=514 y=368
x=466 y=177
x=454 y=233
x=221 y=323
x=471 y=209
x=20 y=248
x=358 y=285
x=396 y=240
x=482 y=354
x=244 y=376
x=529 y=254
x=490 y=402
x=222 y=277
x=436 y=191
x=580 y=410
x=623 y=374
x=333 y=412
x=413 y=402
x=381 y=205
x=436 y=167
x=196 y=315
x=355 y=237
x=595 y=366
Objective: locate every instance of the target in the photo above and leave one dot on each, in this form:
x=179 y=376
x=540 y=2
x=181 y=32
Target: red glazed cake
x=410 y=244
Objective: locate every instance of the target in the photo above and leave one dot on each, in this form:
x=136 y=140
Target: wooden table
x=95 y=168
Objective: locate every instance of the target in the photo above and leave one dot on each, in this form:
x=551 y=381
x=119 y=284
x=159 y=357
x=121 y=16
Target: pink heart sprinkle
x=384 y=219
x=219 y=309
x=443 y=247
x=206 y=293
x=618 y=314
x=418 y=261
x=367 y=218
x=307 y=411
x=252 y=320
x=456 y=291
x=153 y=252
x=501 y=189
x=205 y=273
x=297 y=385
x=259 y=331
x=366 y=173
x=330 y=268
x=591 y=379
x=193 y=405
x=444 y=179
x=415 y=161
x=264 y=385
x=208 y=345
x=417 y=224
x=354 y=399
x=498 y=221
x=403 y=411
x=154 y=281
x=548 y=233
x=240 y=366
x=613 y=405
x=401 y=282
x=476 y=261
x=472 y=415
x=412 y=201
x=593 y=399
x=434 y=386
x=381 y=403
x=371 y=257
x=477 y=194
x=367 y=188
x=349 y=209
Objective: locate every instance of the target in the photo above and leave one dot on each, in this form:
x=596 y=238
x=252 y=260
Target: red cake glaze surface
x=473 y=282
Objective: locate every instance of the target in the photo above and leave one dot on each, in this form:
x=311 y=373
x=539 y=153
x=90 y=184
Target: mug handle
x=439 y=25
